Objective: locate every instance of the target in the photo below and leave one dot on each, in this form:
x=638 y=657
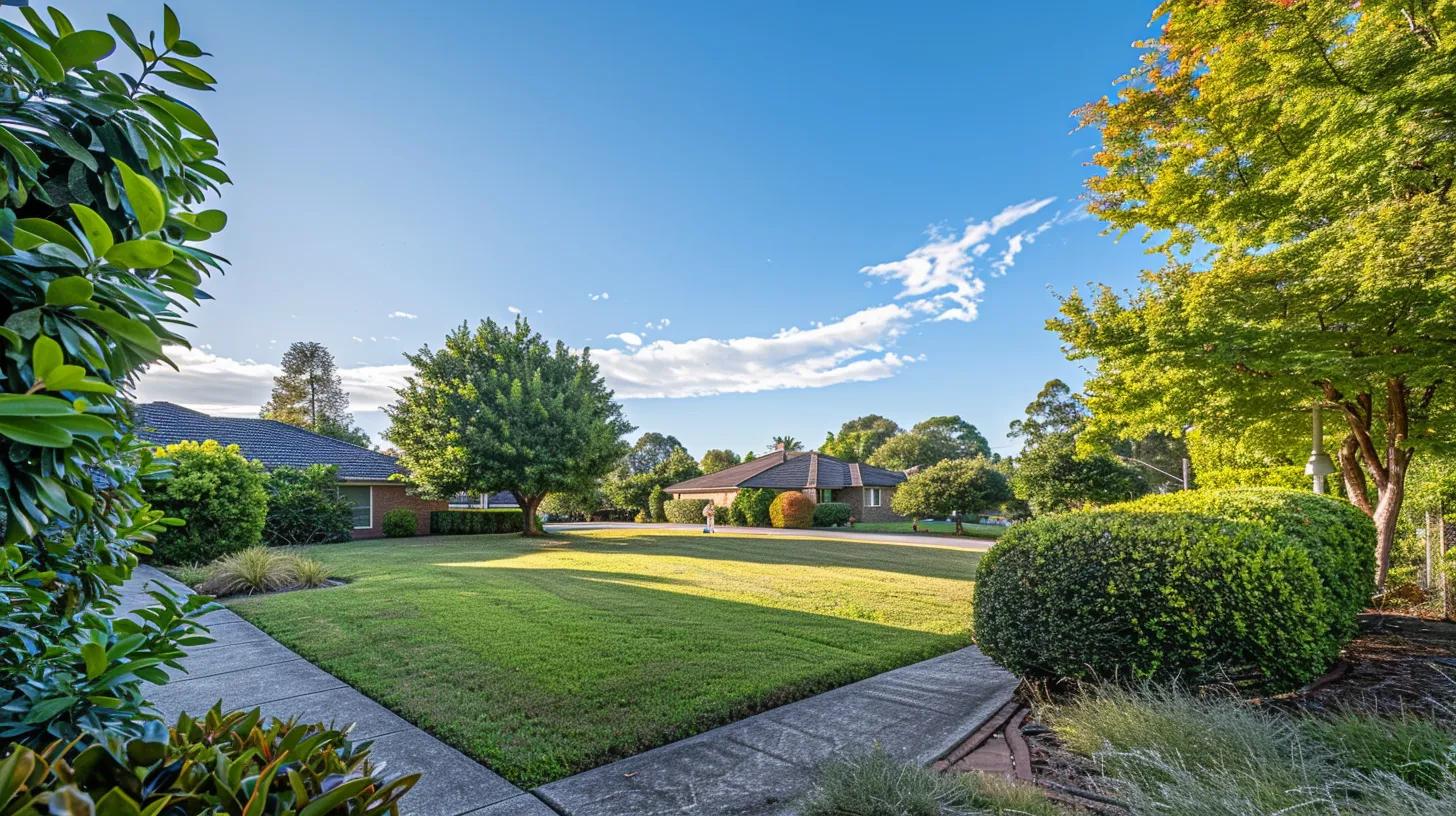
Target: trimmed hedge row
x=469 y=522
x=832 y=514
x=1191 y=587
x=750 y=506
x=685 y=511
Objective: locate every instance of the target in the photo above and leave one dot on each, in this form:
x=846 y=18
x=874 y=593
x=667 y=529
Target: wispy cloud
x=599 y=295
x=513 y=309
x=944 y=268
x=221 y=385
x=398 y=315
x=629 y=338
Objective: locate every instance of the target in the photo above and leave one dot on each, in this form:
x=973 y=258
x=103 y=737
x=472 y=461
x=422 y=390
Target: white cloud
x=943 y=269
x=221 y=385
x=513 y=309
x=848 y=350
x=402 y=316
x=357 y=339
x=630 y=338
x=599 y=295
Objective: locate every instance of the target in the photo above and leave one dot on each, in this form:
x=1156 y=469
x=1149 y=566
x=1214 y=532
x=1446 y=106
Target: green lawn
x=544 y=658
x=932 y=528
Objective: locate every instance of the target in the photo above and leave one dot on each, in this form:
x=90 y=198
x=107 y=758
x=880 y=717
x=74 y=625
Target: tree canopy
x=931 y=441
x=859 y=438
x=650 y=451
x=716 y=459
x=1292 y=162
x=499 y=408
x=310 y=394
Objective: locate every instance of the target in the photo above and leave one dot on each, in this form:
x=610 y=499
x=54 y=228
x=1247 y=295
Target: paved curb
x=245 y=668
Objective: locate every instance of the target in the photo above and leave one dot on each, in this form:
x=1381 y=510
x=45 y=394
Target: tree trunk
x=1447 y=541
x=528 y=504
x=959 y=530
x=1386 y=465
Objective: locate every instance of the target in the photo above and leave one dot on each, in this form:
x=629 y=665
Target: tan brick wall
x=721 y=498
x=854 y=497
x=394 y=497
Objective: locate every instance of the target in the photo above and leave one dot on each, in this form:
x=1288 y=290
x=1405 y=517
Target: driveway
x=924 y=540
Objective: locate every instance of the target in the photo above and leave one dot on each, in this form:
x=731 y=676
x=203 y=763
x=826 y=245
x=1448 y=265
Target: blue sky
x=726 y=174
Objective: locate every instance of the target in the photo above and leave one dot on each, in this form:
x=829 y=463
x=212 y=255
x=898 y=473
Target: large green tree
x=1293 y=161
x=859 y=438
x=954 y=488
x=310 y=394
x=650 y=451
x=499 y=408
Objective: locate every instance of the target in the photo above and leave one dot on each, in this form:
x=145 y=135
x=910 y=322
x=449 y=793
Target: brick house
x=366 y=477
x=823 y=478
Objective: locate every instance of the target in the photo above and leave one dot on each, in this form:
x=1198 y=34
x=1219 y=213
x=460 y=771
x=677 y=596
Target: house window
x=825 y=495
x=872 y=497
x=361 y=496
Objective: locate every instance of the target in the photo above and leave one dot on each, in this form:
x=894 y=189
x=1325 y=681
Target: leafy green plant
x=219 y=497
x=104 y=177
x=305 y=507
x=750 y=506
x=791 y=509
x=685 y=511
x=1123 y=594
x=473 y=522
x=399 y=523
x=655 y=501
x=876 y=784
x=235 y=763
x=729 y=515
x=1339 y=538
x=832 y=514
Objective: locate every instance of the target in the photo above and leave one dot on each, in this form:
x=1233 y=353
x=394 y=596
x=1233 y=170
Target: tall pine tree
x=310 y=394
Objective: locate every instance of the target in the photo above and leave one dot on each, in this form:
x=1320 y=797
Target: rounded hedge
x=792 y=510
x=1124 y=594
x=831 y=514
x=218 y=494
x=1339 y=537
x=685 y=511
x=471 y=522
x=399 y=523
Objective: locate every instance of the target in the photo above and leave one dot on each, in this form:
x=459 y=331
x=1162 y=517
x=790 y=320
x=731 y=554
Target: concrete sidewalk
x=245 y=668
x=760 y=765
x=919 y=540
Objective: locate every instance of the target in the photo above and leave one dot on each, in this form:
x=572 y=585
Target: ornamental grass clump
x=262 y=569
x=1166 y=751
x=878 y=785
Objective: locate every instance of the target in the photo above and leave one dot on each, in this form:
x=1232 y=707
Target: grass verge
x=547 y=657
x=931 y=528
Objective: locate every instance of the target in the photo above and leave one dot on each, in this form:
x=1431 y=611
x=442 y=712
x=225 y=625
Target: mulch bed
x=1397 y=664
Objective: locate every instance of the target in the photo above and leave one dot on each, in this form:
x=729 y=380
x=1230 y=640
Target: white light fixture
x=1319 y=465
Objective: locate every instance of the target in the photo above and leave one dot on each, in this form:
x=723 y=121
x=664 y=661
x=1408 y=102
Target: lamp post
x=1319 y=465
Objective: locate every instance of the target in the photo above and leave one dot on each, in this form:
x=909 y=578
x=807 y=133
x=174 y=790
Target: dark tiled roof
x=792 y=471
x=275 y=444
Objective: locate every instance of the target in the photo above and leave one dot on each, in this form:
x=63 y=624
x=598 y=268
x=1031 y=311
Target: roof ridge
x=855 y=478
x=813 y=469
